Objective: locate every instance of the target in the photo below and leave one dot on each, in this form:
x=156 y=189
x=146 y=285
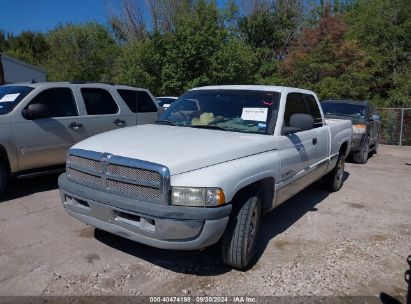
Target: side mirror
x=302 y=121
x=160 y=111
x=37 y=110
x=299 y=122
x=375 y=117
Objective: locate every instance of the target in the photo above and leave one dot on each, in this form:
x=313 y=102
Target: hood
x=354 y=120
x=181 y=149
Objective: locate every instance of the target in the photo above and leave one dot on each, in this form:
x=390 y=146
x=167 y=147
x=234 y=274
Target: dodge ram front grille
x=85 y=178
x=133 y=173
x=87 y=163
x=123 y=176
x=141 y=191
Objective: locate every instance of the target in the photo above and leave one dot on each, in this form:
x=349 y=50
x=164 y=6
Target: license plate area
x=144 y=223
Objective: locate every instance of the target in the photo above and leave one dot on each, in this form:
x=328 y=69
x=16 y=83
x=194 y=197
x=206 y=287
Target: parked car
x=39 y=122
x=247 y=150
x=166 y=101
x=366 y=125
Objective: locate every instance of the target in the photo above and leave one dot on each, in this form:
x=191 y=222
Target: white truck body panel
x=206 y=158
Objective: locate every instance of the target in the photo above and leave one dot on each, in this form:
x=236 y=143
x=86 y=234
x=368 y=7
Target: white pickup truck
x=206 y=171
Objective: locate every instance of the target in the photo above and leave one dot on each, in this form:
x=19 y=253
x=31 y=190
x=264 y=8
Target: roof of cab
x=280 y=89
x=52 y=84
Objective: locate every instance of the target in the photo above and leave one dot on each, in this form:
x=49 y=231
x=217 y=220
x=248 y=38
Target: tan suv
x=39 y=122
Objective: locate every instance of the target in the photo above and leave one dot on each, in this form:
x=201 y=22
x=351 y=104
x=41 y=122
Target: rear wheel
x=334 y=180
x=240 y=238
x=362 y=156
x=4 y=176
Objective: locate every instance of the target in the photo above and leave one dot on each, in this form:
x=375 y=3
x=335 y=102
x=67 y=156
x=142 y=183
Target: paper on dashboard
x=9 y=97
x=255 y=114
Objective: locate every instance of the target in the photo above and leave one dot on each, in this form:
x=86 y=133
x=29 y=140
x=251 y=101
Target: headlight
x=359 y=129
x=197 y=197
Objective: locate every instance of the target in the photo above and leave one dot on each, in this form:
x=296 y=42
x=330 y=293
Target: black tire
x=239 y=241
x=4 y=176
x=334 y=180
x=362 y=156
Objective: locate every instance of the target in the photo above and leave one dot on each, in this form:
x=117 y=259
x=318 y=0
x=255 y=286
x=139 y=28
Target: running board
x=41 y=173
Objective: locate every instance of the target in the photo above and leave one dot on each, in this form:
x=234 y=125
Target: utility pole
x=401 y=126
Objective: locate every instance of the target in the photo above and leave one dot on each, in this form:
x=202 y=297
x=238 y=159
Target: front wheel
x=333 y=181
x=362 y=156
x=240 y=238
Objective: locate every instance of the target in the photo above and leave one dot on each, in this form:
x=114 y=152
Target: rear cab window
x=314 y=110
x=138 y=101
x=11 y=96
x=99 y=101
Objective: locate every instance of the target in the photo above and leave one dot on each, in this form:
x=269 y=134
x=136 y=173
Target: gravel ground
x=353 y=242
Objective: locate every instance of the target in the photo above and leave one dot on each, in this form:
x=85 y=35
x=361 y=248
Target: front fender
x=233 y=175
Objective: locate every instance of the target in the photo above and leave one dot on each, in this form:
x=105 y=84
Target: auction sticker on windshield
x=9 y=97
x=256 y=114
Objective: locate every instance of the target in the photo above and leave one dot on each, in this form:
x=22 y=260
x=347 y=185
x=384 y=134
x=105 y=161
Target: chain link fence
x=395 y=126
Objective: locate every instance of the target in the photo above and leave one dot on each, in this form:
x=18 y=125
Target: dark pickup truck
x=365 y=123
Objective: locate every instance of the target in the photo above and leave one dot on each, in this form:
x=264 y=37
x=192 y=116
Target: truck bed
x=339 y=130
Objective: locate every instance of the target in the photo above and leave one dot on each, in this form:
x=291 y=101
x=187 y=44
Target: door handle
x=314 y=141
x=75 y=125
x=119 y=122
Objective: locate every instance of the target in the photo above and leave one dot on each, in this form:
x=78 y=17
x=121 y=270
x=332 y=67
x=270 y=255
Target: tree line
x=357 y=49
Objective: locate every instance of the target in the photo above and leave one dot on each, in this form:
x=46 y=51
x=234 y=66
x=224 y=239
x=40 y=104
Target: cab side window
x=145 y=103
x=294 y=105
x=313 y=110
x=138 y=101
x=98 y=101
x=59 y=101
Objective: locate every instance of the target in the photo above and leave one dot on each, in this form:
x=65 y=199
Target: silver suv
x=39 y=122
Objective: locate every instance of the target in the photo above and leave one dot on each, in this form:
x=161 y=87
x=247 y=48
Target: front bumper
x=161 y=226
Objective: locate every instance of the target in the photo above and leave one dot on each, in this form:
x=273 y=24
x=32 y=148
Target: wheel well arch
x=264 y=188
x=344 y=148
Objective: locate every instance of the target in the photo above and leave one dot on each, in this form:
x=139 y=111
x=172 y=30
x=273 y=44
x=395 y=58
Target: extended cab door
x=322 y=137
x=298 y=151
x=43 y=142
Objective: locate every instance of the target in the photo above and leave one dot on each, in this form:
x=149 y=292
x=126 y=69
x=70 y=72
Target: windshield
x=10 y=96
x=345 y=109
x=246 y=111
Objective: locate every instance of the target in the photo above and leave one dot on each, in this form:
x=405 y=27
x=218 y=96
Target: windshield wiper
x=166 y=122
x=209 y=127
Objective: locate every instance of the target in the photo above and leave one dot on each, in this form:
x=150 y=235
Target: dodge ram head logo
x=104 y=164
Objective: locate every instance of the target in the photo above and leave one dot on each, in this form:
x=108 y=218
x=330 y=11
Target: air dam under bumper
x=161 y=226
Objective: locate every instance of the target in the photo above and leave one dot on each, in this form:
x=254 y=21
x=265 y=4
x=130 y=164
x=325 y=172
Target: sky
x=43 y=15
